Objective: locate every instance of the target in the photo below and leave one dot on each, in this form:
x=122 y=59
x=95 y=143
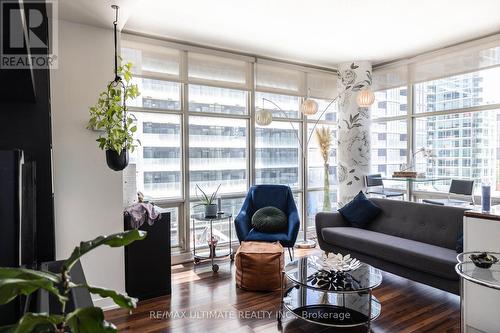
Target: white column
x=353 y=131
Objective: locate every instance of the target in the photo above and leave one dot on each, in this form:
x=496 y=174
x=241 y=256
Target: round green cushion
x=269 y=219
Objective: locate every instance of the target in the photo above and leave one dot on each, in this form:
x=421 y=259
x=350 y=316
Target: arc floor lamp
x=309 y=107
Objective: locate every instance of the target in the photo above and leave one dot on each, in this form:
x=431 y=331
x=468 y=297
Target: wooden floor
x=197 y=293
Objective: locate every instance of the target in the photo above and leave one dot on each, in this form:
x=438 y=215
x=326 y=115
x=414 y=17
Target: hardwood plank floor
x=205 y=302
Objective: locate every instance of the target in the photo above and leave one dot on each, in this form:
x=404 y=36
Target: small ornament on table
x=212 y=244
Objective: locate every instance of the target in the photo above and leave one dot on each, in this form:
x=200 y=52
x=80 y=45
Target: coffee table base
x=331 y=309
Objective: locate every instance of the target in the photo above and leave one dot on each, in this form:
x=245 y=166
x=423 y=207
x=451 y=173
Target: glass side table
x=335 y=300
x=212 y=255
x=486 y=277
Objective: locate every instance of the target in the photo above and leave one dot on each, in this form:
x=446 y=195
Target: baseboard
x=104 y=303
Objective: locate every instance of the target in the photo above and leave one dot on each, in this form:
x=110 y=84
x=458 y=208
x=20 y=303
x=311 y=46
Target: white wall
x=88 y=195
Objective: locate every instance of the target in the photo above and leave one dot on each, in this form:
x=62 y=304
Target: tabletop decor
x=110 y=114
x=486 y=197
x=208 y=201
x=336 y=262
x=407 y=170
x=483 y=260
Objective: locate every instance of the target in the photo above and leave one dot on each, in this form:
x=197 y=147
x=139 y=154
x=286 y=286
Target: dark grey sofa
x=416 y=241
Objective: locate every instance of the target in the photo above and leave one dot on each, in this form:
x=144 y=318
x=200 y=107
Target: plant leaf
x=120 y=299
x=89 y=320
x=114 y=240
x=35 y=323
x=9 y=272
x=10 y=288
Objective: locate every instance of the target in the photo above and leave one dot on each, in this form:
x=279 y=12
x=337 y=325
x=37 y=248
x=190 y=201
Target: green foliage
x=114 y=240
x=121 y=300
x=89 y=320
x=204 y=198
x=109 y=113
x=17 y=281
x=35 y=322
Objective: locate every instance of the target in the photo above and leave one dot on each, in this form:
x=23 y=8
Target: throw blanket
x=140 y=212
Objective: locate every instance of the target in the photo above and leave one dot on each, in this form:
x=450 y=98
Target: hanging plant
x=110 y=115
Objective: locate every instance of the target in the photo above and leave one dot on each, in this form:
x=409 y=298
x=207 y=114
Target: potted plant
x=110 y=116
x=324 y=137
x=18 y=281
x=207 y=201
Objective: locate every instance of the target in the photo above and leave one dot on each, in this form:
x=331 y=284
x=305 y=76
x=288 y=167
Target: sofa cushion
x=431 y=259
x=360 y=211
x=431 y=224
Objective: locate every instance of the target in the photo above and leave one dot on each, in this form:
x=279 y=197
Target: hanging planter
x=110 y=116
x=117 y=161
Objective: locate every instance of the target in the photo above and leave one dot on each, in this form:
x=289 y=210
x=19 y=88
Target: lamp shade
x=309 y=107
x=263 y=117
x=365 y=98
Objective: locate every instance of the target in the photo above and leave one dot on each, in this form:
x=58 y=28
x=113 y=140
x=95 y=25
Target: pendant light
x=365 y=98
x=309 y=107
x=263 y=117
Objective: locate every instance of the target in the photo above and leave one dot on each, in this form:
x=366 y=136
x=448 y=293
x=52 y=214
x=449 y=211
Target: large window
x=157 y=161
x=390 y=103
x=465 y=146
x=289 y=105
x=277 y=154
x=217 y=154
x=455 y=117
x=217 y=100
x=194 y=119
x=459 y=91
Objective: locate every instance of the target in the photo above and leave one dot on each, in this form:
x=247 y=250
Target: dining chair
x=375 y=185
x=457 y=187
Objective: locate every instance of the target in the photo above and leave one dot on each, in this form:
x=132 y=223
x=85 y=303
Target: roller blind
x=209 y=69
x=388 y=78
x=152 y=60
x=459 y=59
x=322 y=85
x=276 y=79
x=459 y=62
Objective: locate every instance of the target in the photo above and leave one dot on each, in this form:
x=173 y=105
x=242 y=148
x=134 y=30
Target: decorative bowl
x=483 y=260
x=336 y=263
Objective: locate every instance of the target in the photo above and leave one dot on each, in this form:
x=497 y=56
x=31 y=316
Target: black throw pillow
x=360 y=211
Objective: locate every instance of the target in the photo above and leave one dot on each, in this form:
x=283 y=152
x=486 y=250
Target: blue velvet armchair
x=259 y=196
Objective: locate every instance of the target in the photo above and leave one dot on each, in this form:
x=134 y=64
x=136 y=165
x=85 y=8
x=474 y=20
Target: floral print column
x=353 y=131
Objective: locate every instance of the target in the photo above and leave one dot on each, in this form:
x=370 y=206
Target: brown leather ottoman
x=259 y=266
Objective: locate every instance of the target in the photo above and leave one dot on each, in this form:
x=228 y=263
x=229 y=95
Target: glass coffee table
x=330 y=299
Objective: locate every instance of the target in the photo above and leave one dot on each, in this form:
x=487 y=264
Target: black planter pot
x=115 y=161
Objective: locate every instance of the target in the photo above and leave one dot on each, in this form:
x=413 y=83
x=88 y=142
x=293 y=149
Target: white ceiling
x=321 y=32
